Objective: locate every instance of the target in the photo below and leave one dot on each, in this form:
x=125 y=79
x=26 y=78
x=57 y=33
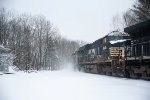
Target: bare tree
x=34 y=41
x=142 y=9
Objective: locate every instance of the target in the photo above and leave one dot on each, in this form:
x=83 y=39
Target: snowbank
x=68 y=85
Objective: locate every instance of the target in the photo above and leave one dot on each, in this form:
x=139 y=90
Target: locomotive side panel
x=138 y=63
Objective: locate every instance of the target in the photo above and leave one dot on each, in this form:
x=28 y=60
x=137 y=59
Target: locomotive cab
x=117 y=41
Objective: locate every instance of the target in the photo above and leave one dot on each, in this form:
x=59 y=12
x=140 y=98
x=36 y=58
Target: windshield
x=114 y=38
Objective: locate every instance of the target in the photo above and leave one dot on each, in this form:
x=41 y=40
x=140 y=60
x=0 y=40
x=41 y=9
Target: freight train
x=122 y=54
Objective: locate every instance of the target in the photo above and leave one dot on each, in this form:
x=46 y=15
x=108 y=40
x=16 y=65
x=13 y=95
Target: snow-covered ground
x=69 y=85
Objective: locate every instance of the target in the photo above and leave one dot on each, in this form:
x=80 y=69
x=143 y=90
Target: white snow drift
x=68 y=85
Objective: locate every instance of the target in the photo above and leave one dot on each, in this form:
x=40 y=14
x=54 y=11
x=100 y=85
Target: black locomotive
x=123 y=54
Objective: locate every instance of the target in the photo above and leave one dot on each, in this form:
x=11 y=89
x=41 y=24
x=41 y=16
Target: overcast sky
x=86 y=20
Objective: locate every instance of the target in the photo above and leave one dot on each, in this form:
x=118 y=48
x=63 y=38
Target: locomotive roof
x=100 y=41
x=85 y=47
x=117 y=33
x=139 y=30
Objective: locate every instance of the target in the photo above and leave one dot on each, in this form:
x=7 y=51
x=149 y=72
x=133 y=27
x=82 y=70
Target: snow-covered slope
x=69 y=85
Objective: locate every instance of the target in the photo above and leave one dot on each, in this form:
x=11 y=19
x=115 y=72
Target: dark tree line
x=140 y=11
x=34 y=41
